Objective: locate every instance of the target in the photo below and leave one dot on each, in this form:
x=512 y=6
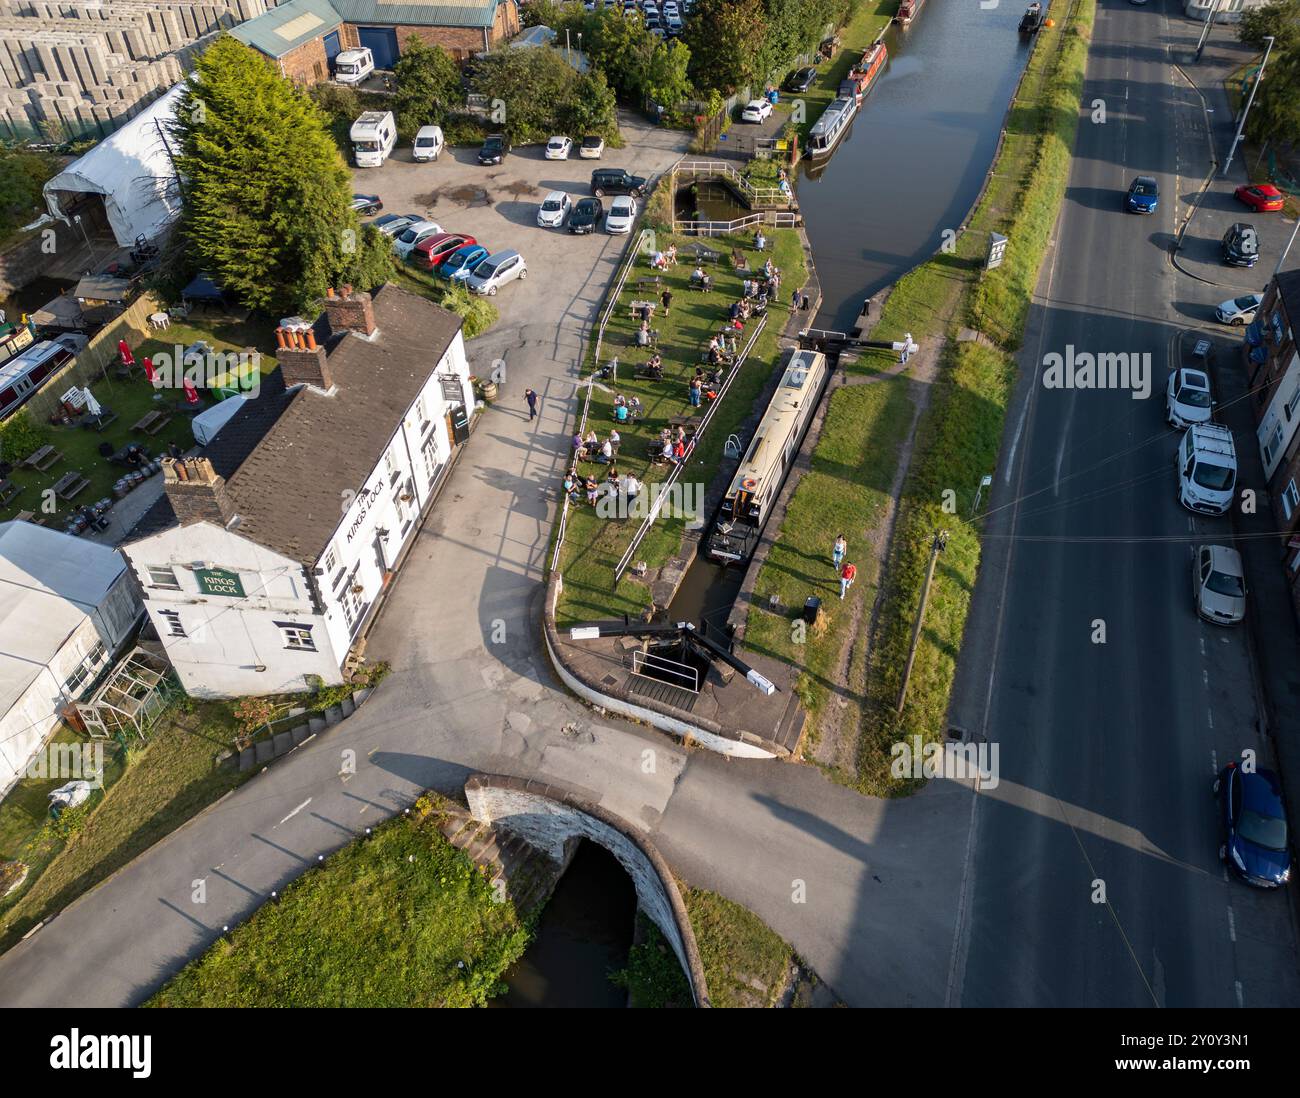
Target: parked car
x=351 y=67
x=458 y=266
x=429 y=143
x=1143 y=195
x=592 y=147
x=554 y=209
x=673 y=24
x=616 y=181
x=392 y=224
x=622 y=215
x=494 y=149
x=1187 y=398
x=431 y=253
x=558 y=148
x=1260 y=197
x=495 y=271
x=586 y=216
x=801 y=79
x=1240 y=245
x=1253 y=820
x=1206 y=463
x=367 y=204
x=756 y=110
x=1218 y=584
x=409 y=237
x=1239 y=311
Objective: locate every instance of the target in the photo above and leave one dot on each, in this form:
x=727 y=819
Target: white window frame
x=155 y=570
x=296 y=637
x=1290 y=499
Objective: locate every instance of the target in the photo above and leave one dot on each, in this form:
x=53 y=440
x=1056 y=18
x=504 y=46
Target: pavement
x=1093 y=877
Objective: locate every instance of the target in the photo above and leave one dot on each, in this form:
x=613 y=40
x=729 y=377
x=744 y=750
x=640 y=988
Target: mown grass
x=594 y=545
x=400 y=919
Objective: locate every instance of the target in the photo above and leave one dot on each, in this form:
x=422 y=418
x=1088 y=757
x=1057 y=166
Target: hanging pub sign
x=452 y=390
x=217 y=581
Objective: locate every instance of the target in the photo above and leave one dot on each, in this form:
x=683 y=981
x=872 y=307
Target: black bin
x=810 y=607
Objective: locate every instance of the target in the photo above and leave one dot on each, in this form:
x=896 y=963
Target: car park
x=622 y=215
x=756 y=110
x=495 y=271
x=1238 y=311
x=673 y=24
x=429 y=143
x=1240 y=245
x=616 y=181
x=409 y=237
x=1187 y=397
x=801 y=79
x=554 y=209
x=1260 y=197
x=393 y=224
x=462 y=263
x=558 y=148
x=1218 y=584
x=494 y=149
x=593 y=146
x=1143 y=195
x=367 y=204
x=431 y=253
x=1253 y=822
x=1206 y=462
x=586 y=216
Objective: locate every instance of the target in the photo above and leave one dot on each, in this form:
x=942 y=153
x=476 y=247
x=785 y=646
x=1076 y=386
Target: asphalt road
x=1093 y=878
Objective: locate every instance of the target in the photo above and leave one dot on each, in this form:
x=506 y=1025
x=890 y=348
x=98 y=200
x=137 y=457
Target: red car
x=430 y=253
x=1263 y=197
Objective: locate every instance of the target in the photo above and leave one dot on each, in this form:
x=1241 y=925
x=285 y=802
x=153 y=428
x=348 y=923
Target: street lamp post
x=76 y=220
x=1209 y=22
x=1241 y=126
x=1285 y=251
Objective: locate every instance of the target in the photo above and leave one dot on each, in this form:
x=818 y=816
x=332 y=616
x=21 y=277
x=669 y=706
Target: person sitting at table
x=634 y=407
x=734 y=311
x=592 y=488
x=654 y=368
x=614 y=439
x=670 y=256
x=606 y=453
x=632 y=487
x=620 y=413
x=768 y=268
x=715 y=356
x=668 y=449
x=760 y=241
x=578 y=444
x=571 y=487
x=745 y=310
x=645 y=309
x=659 y=261
x=643 y=334
x=679 y=451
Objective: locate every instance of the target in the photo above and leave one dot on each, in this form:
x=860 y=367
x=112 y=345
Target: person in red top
x=847 y=574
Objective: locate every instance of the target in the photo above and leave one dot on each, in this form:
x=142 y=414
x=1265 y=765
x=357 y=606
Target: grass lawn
x=131 y=400
x=593 y=545
x=166 y=782
x=402 y=918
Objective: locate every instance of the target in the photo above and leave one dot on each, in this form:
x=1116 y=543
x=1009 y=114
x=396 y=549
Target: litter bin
x=811 y=608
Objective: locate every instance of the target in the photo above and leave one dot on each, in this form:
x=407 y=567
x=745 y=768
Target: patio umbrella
x=125 y=352
x=92 y=405
x=191 y=394
x=149 y=371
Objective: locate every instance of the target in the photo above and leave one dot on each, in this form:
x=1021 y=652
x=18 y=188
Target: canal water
x=584 y=934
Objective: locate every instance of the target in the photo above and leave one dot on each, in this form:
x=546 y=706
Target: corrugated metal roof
x=381 y=13
x=288 y=26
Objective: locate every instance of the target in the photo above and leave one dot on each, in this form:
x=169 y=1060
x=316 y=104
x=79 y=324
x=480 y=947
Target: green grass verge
x=401 y=919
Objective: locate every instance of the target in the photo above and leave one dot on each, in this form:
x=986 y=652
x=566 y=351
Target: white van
x=428 y=143
x=373 y=136
x=353 y=66
x=1207 y=469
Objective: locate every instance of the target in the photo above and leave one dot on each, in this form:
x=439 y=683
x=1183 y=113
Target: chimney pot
x=311 y=340
x=329 y=292
x=279 y=338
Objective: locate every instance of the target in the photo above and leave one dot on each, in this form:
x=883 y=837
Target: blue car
x=1143 y=195
x=1254 y=826
x=461 y=263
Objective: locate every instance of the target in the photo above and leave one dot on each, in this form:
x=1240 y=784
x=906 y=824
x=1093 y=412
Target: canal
x=911 y=166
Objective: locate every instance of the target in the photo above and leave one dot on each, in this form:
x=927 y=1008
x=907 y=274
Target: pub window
x=1290 y=499
x=173 y=620
x=164 y=578
x=330 y=562
x=296 y=637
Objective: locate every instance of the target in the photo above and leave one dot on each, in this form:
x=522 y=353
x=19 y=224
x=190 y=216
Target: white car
x=409 y=237
x=1239 y=311
x=673 y=24
x=622 y=213
x=495 y=271
x=1218 y=584
x=592 y=147
x=756 y=111
x=428 y=143
x=558 y=148
x=1187 y=398
x=554 y=209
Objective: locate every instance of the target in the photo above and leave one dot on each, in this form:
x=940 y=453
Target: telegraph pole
x=936 y=547
x=1205 y=33
x=1254 y=88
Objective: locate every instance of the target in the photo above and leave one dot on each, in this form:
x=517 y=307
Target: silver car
x=495 y=271
x=1218 y=584
x=1239 y=310
x=1187 y=397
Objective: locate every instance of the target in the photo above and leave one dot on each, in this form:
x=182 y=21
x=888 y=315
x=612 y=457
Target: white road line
x=1205 y=677
x=1209 y=716
x=1236 y=986
x=295 y=811
x=1232 y=926
x=1202 y=646
x=1015 y=441
x=1214 y=761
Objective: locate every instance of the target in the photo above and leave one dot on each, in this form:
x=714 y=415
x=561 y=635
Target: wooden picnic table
x=152 y=422
x=8 y=489
x=43 y=458
x=634 y=310
x=70 y=485
x=32 y=517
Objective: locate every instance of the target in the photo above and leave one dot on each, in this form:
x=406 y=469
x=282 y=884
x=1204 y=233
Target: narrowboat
x=27 y=371
x=907 y=11
x=831 y=127
x=862 y=77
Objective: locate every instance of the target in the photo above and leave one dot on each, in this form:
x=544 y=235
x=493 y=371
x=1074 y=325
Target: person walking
x=695 y=392
x=794 y=300
x=847 y=575
x=531 y=397
x=667 y=298
x=837 y=553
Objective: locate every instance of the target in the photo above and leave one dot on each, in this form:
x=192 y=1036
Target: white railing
x=782 y=219
x=688 y=677
x=712 y=169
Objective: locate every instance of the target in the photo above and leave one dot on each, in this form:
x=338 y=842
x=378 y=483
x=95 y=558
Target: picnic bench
x=99 y=422
x=703 y=254
x=648 y=282
x=70 y=485
x=43 y=458
x=8 y=489
x=152 y=422
x=690 y=424
x=634 y=310
x=32 y=517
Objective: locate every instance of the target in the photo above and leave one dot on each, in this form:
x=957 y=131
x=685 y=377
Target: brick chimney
x=195 y=491
x=302 y=360
x=350 y=310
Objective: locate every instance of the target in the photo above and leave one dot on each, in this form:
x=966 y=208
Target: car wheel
x=599 y=192
x=523 y=273
x=492 y=291
x=1238 y=321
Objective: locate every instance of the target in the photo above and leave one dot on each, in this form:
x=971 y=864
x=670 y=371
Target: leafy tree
x=1281 y=19
x=22 y=175
x=531 y=83
x=725 y=38
x=590 y=108
x=266 y=194
x=666 y=78
x=1276 y=114
x=428 y=86
x=621 y=49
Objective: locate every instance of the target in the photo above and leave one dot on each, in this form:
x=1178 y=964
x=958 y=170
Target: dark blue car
x=1254 y=826
x=1143 y=195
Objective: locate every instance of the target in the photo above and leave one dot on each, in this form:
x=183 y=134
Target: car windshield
x=1144 y=188
x=367 y=146
x=1193 y=398
x=485 y=270
x=1266 y=831
x=590 y=142
x=408 y=236
x=1245 y=302
x=1217 y=478
x=426 y=142
x=551 y=204
x=556 y=143
x=1221 y=583
x=492 y=144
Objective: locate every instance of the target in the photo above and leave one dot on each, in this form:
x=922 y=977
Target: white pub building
x=269 y=553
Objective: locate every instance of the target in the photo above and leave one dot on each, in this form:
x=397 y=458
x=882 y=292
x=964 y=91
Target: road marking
x=1015 y=441
x=1209 y=716
x=1205 y=677
x=1202 y=646
x=1232 y=926
x=1214 y=761
x=295 y=811
x=1236 y=986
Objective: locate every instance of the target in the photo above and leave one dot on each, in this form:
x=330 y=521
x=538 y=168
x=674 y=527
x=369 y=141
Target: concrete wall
x=553 y=819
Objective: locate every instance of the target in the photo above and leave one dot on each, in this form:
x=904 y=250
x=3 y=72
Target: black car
x=586 y=216
x=616 y=181
x=367 y=204
x=494 y=149
x=801 y=79
x=1240 y=245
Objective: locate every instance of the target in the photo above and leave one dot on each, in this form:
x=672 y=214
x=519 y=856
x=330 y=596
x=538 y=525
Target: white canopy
x=131 y=170
x=207 y=423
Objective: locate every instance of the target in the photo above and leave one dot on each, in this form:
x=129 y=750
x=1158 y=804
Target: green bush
x=19 y=436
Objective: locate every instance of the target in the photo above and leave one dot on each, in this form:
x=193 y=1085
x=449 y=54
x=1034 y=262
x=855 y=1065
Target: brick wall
x=460 y=42
x=306 y=64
